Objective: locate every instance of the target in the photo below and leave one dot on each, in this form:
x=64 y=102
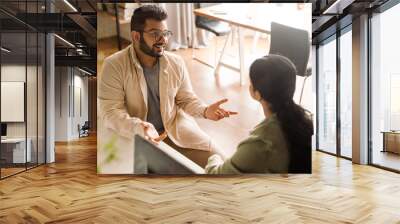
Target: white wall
x=61 y=103
x=79 y=117
x=69 y=85
x=33 y=126
x=12 y=73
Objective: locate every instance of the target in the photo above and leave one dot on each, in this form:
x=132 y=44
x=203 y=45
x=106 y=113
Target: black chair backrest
x=86 y=125
x=292 y=43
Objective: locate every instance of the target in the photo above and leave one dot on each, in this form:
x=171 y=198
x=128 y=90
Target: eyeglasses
x=157 y=34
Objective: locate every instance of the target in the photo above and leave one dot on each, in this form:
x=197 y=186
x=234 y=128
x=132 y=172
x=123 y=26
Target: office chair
x=294 y=44
x=216 y=27
x=84 y=130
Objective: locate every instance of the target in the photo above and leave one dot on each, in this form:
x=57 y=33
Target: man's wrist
x=204 y=113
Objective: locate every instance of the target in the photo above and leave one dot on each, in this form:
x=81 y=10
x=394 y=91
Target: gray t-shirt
x=153 y=96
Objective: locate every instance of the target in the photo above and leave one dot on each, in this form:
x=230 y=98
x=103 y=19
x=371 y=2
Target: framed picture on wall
x=12 y=101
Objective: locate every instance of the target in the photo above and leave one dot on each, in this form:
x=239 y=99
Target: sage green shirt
x=264 y=151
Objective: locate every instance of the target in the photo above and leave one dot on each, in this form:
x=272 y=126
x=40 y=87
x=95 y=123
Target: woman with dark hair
x=282 y=142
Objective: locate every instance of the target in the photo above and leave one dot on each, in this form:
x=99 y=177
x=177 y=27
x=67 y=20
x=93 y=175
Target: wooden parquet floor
x=70 y=191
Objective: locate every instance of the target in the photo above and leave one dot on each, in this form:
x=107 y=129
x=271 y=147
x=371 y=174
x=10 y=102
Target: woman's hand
x=215 y=112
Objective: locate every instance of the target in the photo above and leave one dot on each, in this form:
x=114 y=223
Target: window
x=346 y=75
x=385 y=88
x=327 y=96
x=22 y=77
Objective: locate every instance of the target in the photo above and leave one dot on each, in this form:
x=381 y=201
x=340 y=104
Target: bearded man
x=146 y=90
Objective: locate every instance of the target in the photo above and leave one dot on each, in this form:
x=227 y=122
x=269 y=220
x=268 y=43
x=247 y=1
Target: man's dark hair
x=146 y=12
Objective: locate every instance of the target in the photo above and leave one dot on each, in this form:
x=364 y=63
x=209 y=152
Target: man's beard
x=149 y=51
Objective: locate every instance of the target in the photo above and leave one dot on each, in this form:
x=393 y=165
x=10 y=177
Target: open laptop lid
x=161 y=159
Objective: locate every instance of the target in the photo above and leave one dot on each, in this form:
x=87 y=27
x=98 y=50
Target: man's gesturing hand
x=151 y=134
x=215 y=112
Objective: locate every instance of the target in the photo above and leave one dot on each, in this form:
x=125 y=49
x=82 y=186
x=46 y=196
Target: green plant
x=111 y=152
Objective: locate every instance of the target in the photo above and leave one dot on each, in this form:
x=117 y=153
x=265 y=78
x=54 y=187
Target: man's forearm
x=123 y=124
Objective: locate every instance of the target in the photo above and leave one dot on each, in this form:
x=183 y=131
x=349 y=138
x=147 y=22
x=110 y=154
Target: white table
x=18 y=149
x=257 y=17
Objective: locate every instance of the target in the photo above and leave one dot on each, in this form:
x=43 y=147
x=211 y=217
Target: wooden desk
x=391 y=141
x=257 y=17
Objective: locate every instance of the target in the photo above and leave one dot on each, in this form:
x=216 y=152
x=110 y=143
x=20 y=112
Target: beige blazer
x=122 y=104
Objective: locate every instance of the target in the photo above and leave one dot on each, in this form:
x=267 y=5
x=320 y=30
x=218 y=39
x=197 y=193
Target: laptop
x=161 y=159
